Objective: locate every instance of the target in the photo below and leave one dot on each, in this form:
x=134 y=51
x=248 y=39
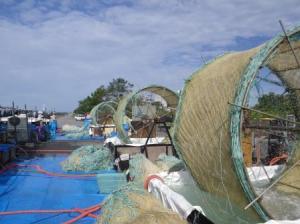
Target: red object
x=278 y=158
x=83 y=212
x=149 y=178
x=87 y=212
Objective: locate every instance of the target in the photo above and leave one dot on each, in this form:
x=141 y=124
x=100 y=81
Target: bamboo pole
x=264 y=113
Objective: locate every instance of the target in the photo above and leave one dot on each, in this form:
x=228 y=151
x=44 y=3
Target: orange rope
x=278 y=158
x=83 y=212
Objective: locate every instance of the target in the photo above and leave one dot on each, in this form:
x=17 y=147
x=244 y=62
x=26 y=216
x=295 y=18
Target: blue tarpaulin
x=60 y=137
x=6 y=147
x=24 y=190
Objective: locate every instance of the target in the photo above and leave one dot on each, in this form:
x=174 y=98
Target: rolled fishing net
x=103 y=113
x=137 y=105
x=207 y=131
x=277 y=63
x=88 y=158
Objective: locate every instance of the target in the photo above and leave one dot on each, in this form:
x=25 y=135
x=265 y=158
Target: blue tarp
x=6 y=147
x=23 y=190
x=60 y=137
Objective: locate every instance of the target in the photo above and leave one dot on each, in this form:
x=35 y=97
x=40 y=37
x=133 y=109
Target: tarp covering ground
x=23 y=190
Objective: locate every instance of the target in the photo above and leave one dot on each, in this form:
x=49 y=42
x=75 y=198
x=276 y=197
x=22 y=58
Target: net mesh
x=202 y=137
x=74 y=132
x=121 y=116
x=132 y=204
x=77 y=135
x=278 y=56
x=169 y=163
x=207 y=132
x=88 y=158
x=103 y=112
x=71 y=128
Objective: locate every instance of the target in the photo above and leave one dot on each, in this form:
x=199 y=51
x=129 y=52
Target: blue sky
x=57 y=52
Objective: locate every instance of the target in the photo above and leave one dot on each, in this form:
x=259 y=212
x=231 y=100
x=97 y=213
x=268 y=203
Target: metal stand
x=164 y=125
x=144 y=148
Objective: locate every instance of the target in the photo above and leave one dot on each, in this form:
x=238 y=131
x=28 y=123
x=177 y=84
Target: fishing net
x=74 y=132
x=169 y=163
x=103 y=113
x=134 y=103
x=78 y=135
x=203 y=140
x=132 y=204
x=279 y=57
x=140 y=168
x=207 y=133
x=71 y=128
x=88 y=158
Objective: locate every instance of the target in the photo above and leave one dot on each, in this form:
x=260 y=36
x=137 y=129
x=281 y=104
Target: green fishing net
x=88 y=158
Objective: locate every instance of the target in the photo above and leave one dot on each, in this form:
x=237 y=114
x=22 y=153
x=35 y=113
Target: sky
x=57 y=52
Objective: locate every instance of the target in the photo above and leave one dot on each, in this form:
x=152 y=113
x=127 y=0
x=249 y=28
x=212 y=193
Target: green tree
x=115 y=89
x=275 y=104
x=89 y=102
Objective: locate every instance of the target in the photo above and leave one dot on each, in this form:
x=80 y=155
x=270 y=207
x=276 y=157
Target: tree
x=275 y=104
x=115 y=89
x=89 y=102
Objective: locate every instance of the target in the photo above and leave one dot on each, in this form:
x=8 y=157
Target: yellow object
x=247 y=149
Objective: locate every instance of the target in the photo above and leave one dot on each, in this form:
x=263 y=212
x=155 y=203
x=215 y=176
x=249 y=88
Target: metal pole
x=149 y=136
x=13 y=108
x=283 y=29
x=15 y=127
x=171 y=140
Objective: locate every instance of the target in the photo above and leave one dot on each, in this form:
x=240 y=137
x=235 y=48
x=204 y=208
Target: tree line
x=112 y=92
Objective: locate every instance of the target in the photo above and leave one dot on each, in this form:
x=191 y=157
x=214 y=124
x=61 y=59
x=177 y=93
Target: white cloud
x=57 y=54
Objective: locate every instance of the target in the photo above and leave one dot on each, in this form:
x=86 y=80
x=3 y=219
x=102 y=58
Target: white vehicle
x=79 y=117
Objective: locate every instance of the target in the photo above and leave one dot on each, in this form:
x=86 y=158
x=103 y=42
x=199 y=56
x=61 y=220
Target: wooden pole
x=287 y=37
